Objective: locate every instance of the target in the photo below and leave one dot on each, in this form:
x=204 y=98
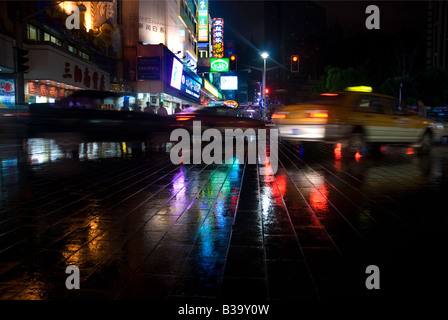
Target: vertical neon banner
x=218 y=38
x=203 y=21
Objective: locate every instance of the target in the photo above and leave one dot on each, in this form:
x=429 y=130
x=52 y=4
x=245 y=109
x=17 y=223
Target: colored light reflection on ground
x=318 y=199
x=338 y=151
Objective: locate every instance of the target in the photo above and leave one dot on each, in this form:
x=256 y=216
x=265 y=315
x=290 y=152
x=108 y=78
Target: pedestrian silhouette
x=162 y=110
x=148 y=108
x=125 y=107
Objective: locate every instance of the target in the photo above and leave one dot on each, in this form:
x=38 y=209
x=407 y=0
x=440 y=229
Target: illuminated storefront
x=162 y=77
x=58 y=65
x=54 y=74
x=7 y=82
x=7 y=93
x=209 y=93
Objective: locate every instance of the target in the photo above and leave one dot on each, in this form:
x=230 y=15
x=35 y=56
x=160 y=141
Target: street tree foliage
x=429 y=84
x=337 y=79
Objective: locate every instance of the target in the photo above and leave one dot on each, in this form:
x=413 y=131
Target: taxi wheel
x=425 y=144
x=356 y=143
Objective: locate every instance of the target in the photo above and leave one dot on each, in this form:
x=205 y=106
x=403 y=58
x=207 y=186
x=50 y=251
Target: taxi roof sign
x=359 y=89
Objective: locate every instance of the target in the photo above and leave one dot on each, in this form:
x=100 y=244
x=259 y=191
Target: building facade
x=141 y=47
x=294 y=28
x=437 y=34
x=45 y=59
x=161 y=52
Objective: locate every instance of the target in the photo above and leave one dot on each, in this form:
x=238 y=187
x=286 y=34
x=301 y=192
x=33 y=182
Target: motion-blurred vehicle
x=356 y=119
x=94 y=111
x=441 y=118
x=13 y=118
x=220 y=118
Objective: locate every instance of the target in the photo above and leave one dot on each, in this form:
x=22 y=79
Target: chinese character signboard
x=203 y=21
x=218 y=38
x=151 y=21
x=148 y=68
x=83 y=77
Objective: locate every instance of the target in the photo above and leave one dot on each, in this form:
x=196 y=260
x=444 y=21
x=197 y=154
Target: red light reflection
x=318 y=199
x=281 y=182
x=338 y=151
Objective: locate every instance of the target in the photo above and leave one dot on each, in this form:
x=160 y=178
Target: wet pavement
x=141 y=228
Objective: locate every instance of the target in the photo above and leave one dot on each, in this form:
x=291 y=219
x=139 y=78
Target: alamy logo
x=72 y=281
x=72 y=21
x=257 y=147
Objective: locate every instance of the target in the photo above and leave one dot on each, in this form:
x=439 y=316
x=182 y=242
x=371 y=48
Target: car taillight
x=183 y=117
x=278 y=116
x=319 y=115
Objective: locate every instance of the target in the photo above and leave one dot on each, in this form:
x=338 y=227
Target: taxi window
x=397 y=109
x=369 y=104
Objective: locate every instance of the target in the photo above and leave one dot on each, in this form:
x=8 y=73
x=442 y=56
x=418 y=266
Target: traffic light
x=266 y=90
x=294 y=63
x=22 y=60
x=232 y=62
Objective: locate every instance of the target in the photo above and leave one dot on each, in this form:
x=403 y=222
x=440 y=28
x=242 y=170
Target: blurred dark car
x=13 y=118
x=94 y=111
x=220 y=118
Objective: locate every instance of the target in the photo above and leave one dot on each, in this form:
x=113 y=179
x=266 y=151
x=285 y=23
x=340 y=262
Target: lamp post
x=264 y=55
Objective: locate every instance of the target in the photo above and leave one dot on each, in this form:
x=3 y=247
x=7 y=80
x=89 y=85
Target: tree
x=337 y=79
x=409 y=93
x=429 y=85
x=432 y=84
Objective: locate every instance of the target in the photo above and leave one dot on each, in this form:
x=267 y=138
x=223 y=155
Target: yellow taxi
x=355 y=118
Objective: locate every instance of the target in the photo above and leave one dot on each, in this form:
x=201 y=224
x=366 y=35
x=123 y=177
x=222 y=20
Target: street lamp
x=264 y=55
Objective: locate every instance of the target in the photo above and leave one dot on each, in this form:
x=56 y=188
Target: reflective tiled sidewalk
x=140 y=228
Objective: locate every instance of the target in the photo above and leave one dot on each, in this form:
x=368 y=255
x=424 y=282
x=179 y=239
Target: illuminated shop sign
x=7 y=87
x=218 y=38
x=190 y=86
x=231 y=103
x=148 y=68
x=37 y=89
x=84 y=75
x=183 y=82
x=229 y=83
x=219 y=65
x=7 y=93
x=210 y=88
x=176 y=74
x=203 y=21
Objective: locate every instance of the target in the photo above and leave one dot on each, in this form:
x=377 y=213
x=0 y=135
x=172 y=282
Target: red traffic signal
x=232 y=62
x=294 y=63
x=266 y=91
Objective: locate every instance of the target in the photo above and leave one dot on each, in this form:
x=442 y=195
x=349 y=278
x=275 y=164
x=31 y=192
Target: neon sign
x=219 y=65
x=203 y=21
x=218 y=38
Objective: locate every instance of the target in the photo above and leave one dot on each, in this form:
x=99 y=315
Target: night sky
x=402 y=23
x=244 y=18
x=246 y=15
